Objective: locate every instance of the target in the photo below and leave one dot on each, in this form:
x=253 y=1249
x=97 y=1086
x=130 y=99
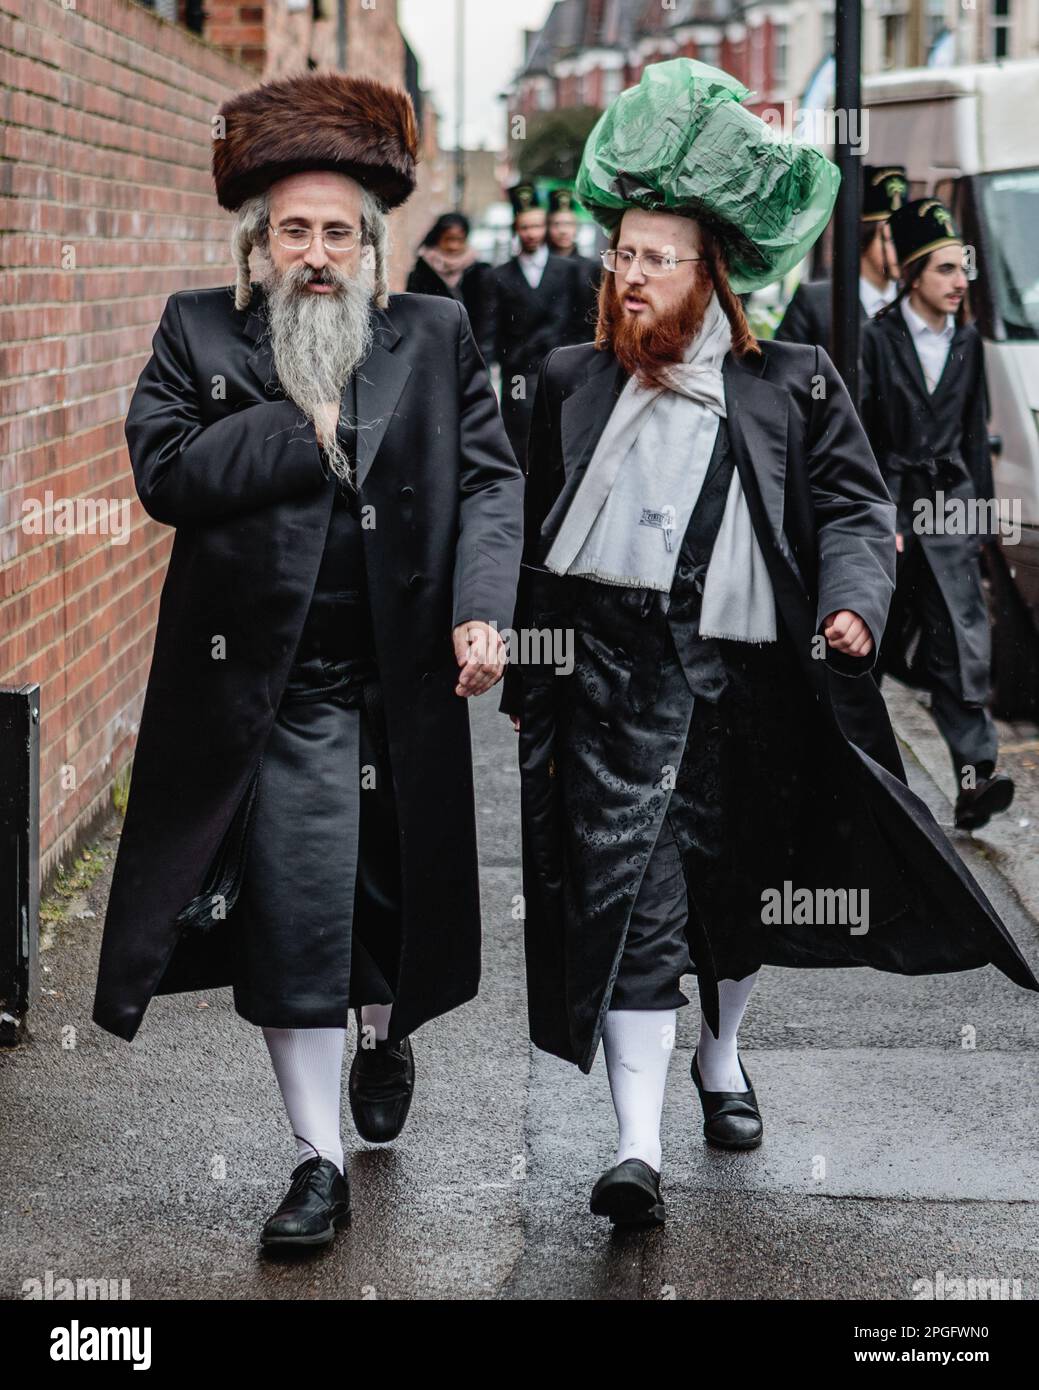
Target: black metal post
x=849 y=130
x=19 y=857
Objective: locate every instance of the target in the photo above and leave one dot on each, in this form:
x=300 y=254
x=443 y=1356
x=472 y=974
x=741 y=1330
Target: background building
x=589 y=50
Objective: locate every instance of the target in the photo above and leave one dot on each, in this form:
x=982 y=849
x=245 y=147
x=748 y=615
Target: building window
x=999 y=28
x=934 y=23
x=612 y=84
x=893 y=33
x=709 y=53
x=829 y=31
x=779 y=56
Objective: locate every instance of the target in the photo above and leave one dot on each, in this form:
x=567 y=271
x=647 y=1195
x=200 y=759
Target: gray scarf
x=627 y=519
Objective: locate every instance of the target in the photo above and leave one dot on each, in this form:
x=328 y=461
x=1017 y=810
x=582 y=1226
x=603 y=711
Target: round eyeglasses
x=296 y=238
x=652 y=262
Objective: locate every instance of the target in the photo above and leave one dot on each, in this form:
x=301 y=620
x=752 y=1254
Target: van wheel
x=1015 y=643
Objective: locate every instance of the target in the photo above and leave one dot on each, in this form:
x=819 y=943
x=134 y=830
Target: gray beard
x=318 y=340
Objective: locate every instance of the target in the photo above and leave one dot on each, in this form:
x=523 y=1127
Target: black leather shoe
x=731 y=1118
x=629 y=1195
x=382 y=1082
x=315 y=1206
x=976 y=806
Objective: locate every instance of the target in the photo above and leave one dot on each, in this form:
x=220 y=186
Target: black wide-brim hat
x=920 y=227
x=321 y=120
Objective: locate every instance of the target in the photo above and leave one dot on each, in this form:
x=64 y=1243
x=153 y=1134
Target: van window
x=1010 y=208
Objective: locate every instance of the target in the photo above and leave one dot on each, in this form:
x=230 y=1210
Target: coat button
x=414 y=581
x=407 y=492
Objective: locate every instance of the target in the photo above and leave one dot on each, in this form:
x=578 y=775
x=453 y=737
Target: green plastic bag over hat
x=681 y=142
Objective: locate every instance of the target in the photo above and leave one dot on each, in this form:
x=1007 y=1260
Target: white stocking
x=308 y=1063
x=638 y=1045
x=376 y=1016
x=716 y=1056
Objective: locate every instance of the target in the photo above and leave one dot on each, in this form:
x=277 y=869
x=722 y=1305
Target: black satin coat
x=238 y=473
x=907 y=424
x=825 y=524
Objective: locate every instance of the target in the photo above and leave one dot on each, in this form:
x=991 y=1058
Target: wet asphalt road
x=893 y=1151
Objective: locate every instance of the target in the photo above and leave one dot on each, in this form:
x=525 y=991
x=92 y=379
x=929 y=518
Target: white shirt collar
x=538 y=257
x=918 y=327
x=873 y=299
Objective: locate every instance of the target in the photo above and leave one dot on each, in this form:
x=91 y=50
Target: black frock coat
x=528 y=323
x=906 y=425
x=475 y=290
x=825 y=523
x=808 y=317
x=238 y=472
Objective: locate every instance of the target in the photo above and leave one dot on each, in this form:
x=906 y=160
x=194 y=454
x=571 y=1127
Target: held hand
x=326 y=421
x=480 y=652
x=900 y=542
x=515 y=721
x=846 y=632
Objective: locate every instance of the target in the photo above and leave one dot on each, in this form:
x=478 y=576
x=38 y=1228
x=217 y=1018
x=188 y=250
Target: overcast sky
x=493 y=51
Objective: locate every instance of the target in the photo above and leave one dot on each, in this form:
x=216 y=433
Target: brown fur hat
x=321 y=120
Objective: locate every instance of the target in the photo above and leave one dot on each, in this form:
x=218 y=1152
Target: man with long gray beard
x=300 y=823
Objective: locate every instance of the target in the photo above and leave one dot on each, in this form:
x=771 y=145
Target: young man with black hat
x=562 y=241
x=705 y=517
x=924 y=409
x=300 y=823
x=808 y=315
x=534 y=312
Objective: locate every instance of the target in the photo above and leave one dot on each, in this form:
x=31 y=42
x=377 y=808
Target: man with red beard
x=705 y=518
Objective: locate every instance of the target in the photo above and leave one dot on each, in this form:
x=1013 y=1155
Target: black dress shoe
x=315 y=1206
x=976 y=806
x=382 y=1081
x=629 y=1195
x=731 y=1118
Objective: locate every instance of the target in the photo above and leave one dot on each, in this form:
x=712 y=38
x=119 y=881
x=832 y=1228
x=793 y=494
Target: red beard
x=643 y=349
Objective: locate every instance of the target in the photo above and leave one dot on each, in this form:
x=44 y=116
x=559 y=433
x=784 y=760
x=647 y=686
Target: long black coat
x=475 y=289
x=238 y=473
x=808 y=317
x=528 y=324
x=589 y=275
x=906 y=424
x=825 y=524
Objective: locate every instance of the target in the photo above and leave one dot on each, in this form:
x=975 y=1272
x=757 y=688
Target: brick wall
x=106 y=207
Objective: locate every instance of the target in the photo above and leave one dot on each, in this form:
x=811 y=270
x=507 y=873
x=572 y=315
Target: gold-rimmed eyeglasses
x=294 y=237
x=652 y=262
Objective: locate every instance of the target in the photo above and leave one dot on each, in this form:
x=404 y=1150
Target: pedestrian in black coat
x=534 y=313
x=924 y=409
x=562 y=241
x=808 y=317
x=447 y=265
x=300 y=823
x=710 y=543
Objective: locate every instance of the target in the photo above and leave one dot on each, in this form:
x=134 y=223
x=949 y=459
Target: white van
x=967 y=135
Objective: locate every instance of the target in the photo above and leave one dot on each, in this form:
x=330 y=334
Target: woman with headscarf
x=448 y=265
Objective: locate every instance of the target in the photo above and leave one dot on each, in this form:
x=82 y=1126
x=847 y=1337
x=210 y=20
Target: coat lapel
x=586 y=411
x=949 y=379
x=380 y=379
x=907 y=354
x=757 y=414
